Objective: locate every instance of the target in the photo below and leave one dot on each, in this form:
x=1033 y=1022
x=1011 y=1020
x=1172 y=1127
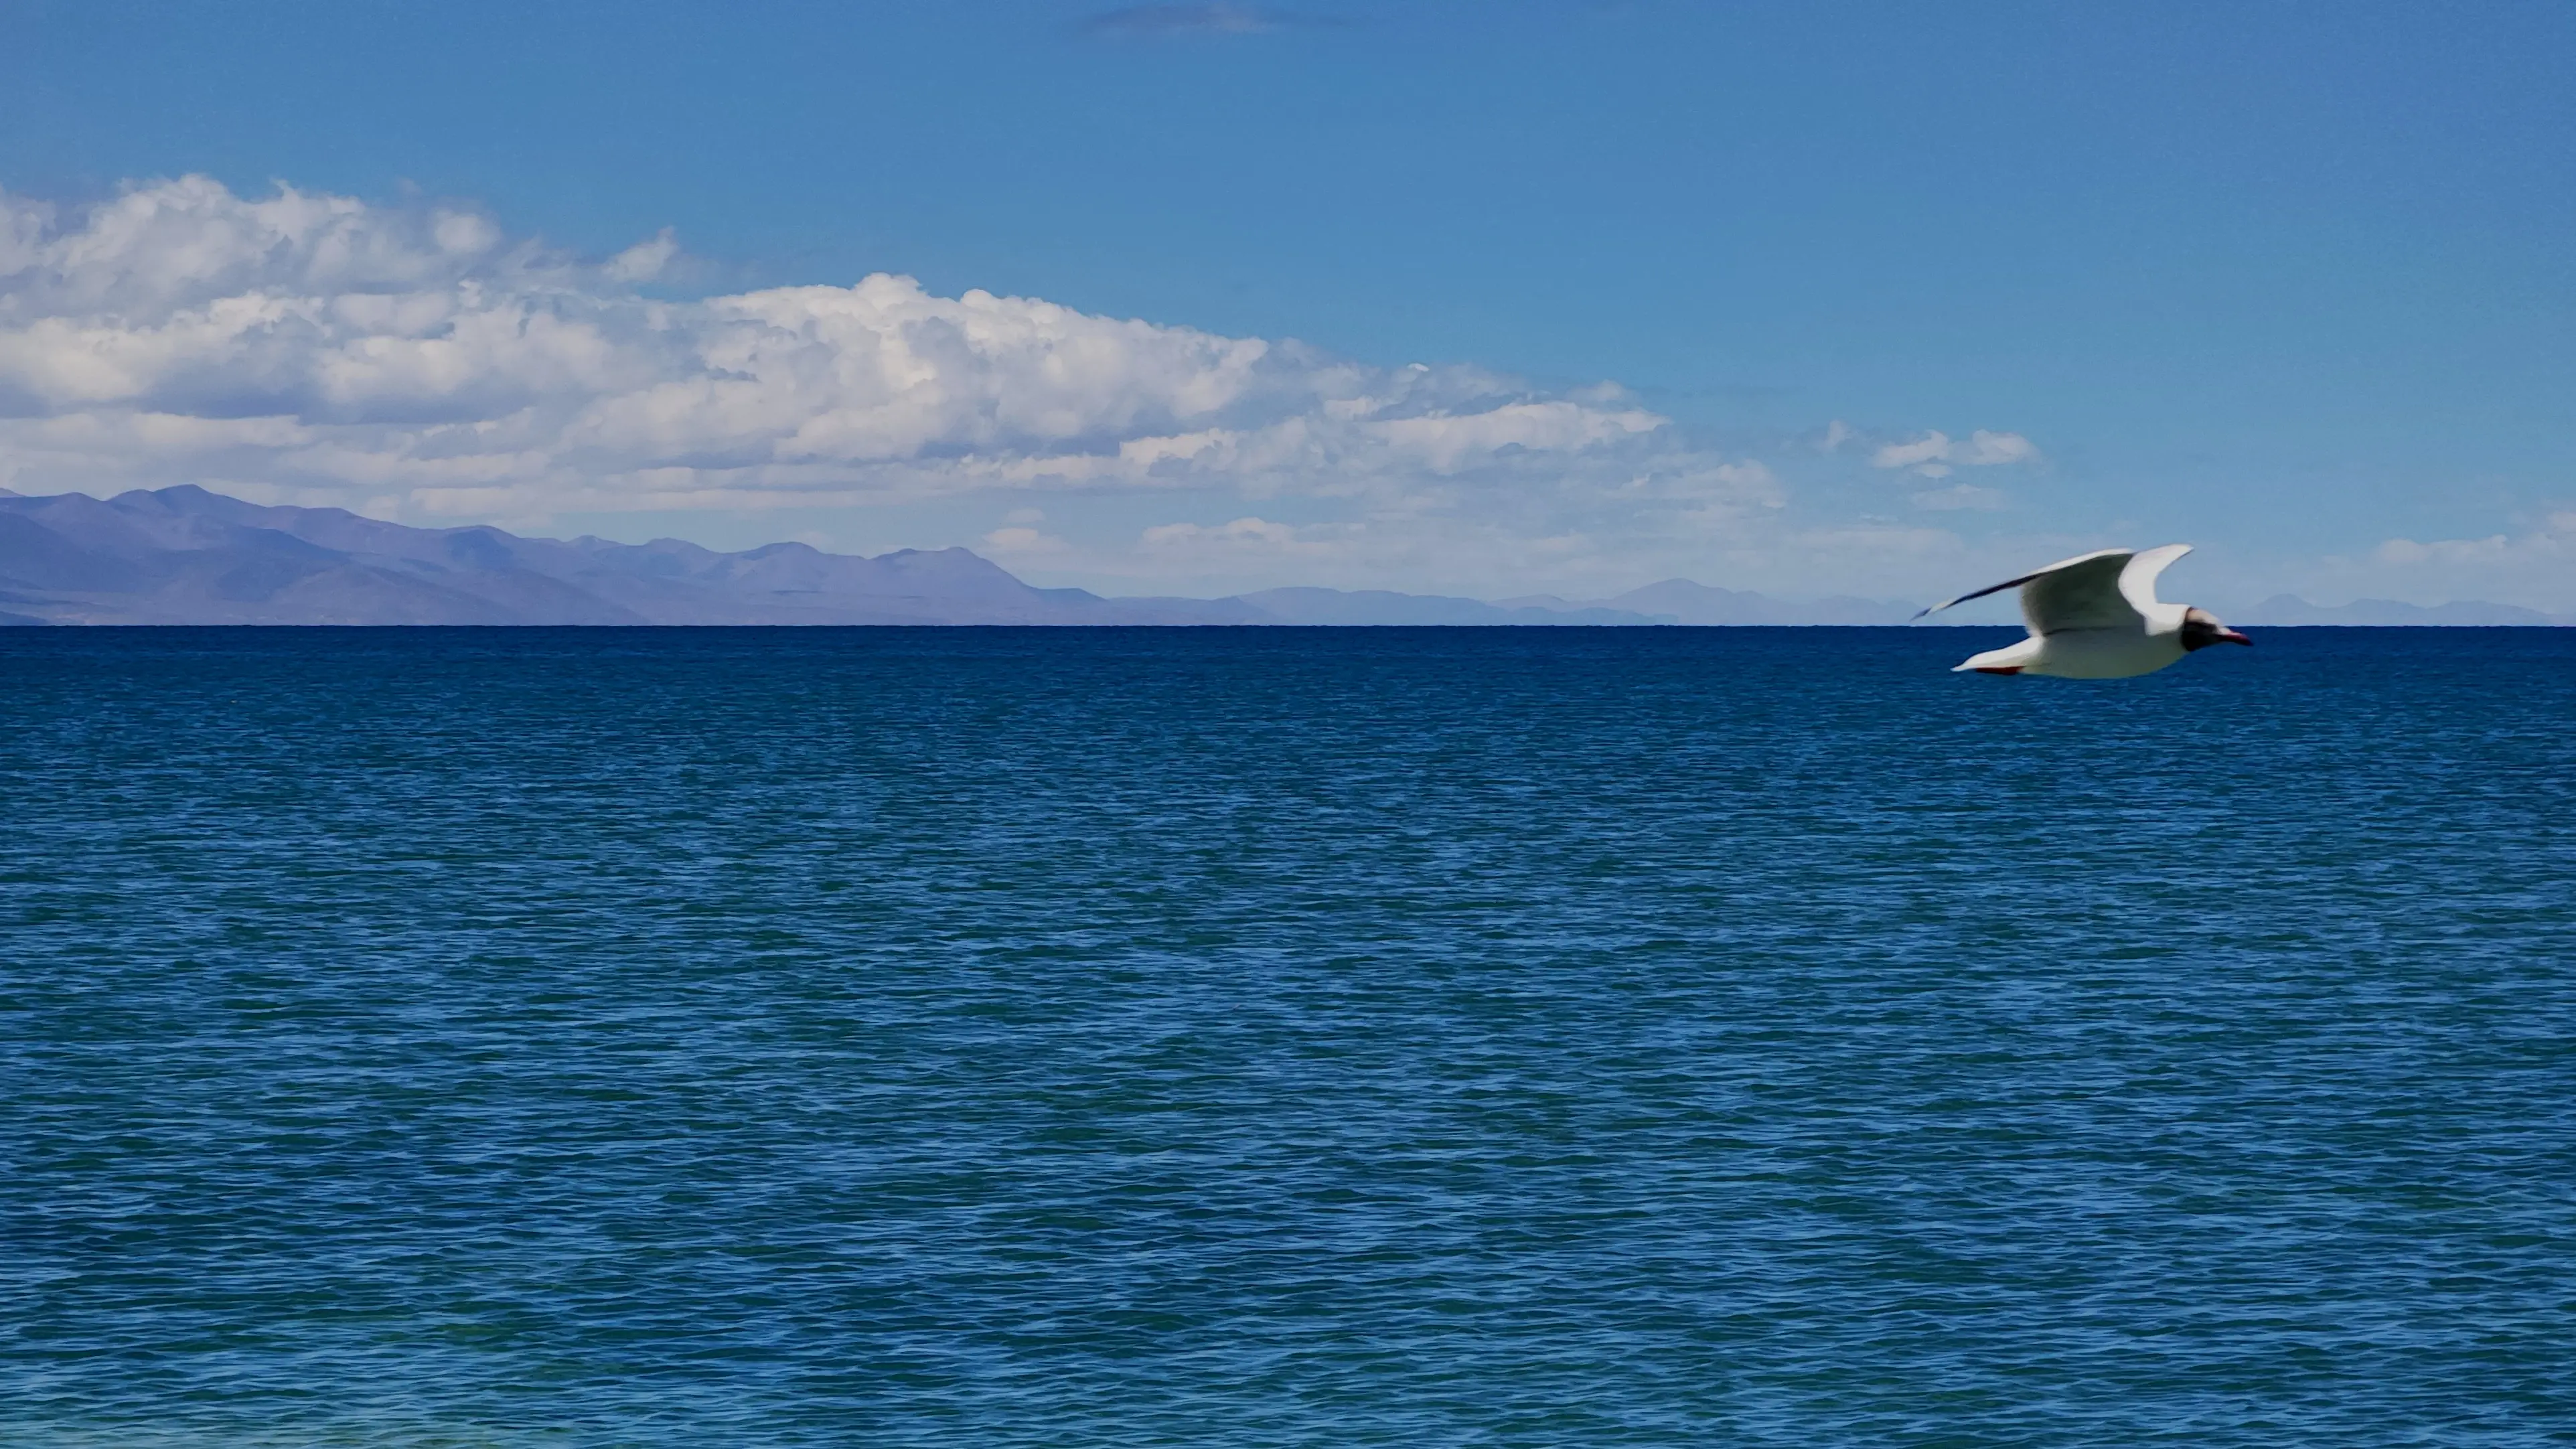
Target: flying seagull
x=2095 y=616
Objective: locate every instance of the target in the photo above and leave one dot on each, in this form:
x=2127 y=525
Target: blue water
x=1268 y=1037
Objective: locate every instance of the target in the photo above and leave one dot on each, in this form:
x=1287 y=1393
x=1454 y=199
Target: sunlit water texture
x=1266 y=1037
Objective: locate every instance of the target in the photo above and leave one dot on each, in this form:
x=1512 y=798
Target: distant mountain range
x=2286 y=609
x=189 y=556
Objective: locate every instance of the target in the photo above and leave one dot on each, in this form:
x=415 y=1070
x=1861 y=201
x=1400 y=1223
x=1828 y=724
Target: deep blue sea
x=971 y=1037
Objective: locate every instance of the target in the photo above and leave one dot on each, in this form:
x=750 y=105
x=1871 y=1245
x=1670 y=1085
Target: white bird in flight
x=2095 y=616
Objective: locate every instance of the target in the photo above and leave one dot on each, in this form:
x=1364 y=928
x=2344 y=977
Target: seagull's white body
x=2088 y=654
x=2095 y=616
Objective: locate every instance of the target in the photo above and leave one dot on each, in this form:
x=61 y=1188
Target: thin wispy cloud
x=1177 y=20
x=1937 y=454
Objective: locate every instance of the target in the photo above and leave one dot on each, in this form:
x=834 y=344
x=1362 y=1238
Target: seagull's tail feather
x=2011 y=659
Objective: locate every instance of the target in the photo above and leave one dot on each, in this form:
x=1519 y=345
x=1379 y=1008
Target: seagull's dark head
x=2200 y=629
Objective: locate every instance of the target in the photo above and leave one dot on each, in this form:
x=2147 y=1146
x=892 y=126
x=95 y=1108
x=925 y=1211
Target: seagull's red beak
x=2230 y=636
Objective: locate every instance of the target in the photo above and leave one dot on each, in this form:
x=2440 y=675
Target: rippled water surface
x=1253 y=1037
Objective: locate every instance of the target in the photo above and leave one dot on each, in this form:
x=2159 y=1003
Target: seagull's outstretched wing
x=2138 y=580
x=2082 y=592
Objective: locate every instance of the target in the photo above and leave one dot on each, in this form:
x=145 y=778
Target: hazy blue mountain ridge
x=186 y=555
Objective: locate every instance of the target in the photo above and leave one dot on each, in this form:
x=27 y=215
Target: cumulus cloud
x=316 y=348
x=422 y=362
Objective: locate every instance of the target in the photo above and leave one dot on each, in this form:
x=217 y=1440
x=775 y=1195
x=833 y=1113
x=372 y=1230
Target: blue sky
x=2289 y=280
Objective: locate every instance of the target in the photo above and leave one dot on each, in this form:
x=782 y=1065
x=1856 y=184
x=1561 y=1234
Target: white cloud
x=1936 y=454
x=331 y=349
x=1447 y=442
x=1243 y=535
x=2533 y=567
x=1929 y=450
x=645 y=260
x=2553 y=541
x=1984 y=449
x=420 y=362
